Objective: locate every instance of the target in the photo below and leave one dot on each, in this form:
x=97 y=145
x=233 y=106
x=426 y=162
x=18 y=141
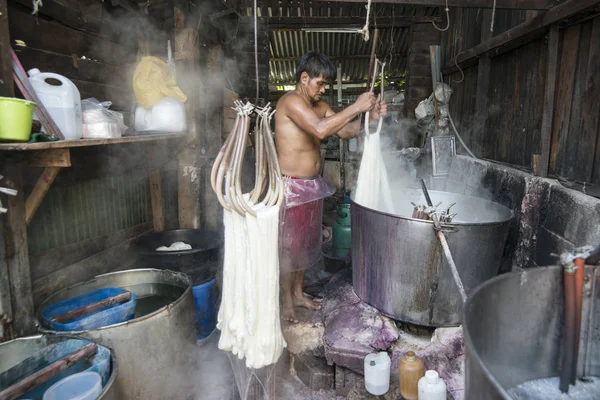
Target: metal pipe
x=445 y=247
x=580 y=266
x=567 y=356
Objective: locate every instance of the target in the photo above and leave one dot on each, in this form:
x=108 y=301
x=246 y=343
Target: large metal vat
x=15 y=351
x=513 y=328
x=398 y=264
x=155 y=350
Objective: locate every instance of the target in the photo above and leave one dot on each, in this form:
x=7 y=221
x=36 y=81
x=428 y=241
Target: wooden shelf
x=88 y=142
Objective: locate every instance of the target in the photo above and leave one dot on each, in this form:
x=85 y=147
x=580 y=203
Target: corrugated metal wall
x=76 y=211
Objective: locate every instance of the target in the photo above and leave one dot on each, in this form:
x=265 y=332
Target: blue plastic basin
x=205 y=303
x=114 y=314
x=99 y=363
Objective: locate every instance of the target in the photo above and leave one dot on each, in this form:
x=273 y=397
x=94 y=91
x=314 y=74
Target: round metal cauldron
x=201 y=262
x=15 y=351
x=513 y=329
x=155 y=350
x=398 y=264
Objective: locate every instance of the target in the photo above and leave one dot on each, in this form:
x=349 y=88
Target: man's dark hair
x=315 y=64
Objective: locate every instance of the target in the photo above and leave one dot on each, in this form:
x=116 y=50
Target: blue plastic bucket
x=205 y=303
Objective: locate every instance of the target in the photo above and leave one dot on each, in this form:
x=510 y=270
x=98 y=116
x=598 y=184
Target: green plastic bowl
x=15 y=119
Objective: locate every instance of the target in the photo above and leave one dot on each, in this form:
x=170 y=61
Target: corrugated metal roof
x=287 y=46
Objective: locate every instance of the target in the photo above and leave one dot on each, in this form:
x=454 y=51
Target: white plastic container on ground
x=377 y=373
x=432 y=387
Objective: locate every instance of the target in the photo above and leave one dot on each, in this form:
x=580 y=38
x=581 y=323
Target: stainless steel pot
x=398 y=264
x=513 y=329
x=15 y=351
x=155 y=351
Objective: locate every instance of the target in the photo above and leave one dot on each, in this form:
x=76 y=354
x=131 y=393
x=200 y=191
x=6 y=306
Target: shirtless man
x=302 y=120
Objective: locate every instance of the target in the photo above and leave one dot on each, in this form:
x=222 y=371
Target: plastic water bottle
x=62 y=101
x=377 y=373
x=432 y=387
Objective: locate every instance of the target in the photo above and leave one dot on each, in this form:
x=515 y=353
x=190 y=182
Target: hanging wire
x=447 y=20
x=256 y=50
x=459 y=68
x=493 y=17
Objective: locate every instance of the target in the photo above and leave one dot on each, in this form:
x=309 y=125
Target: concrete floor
x=216 y=381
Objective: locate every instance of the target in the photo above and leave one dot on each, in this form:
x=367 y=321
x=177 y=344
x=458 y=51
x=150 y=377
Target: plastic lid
x=432 y=376
x=33 y=71
x=410 y=356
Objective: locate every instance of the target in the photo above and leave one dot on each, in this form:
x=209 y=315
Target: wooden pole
x=16 y=251
x=90 y=308
x=39 y=191
x=6 y=82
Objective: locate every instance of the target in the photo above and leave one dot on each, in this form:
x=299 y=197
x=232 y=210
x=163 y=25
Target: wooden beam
x=50 y=158
x=16 y=252
x=294 y=23
x=72 y=17
x=6 y=82
x=355 y=57
x=522 y=33
x=510 y=4
x=549 y=96
x=39 y=191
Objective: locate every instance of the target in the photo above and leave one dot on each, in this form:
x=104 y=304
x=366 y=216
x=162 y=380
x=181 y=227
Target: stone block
x=313 y=371
x=573 y=215
x=346 y=380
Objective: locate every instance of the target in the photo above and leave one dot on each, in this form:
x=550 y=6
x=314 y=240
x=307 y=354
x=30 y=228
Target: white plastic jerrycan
x=432 y=387
x=62 y=101
x=377 y=373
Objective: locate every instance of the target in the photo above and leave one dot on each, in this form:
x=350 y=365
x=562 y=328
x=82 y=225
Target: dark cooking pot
x=201 y=262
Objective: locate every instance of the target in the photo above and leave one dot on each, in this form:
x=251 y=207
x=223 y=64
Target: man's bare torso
x=298 y=152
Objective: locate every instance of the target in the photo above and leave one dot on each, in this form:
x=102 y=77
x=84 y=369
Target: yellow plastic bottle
x=410 y=368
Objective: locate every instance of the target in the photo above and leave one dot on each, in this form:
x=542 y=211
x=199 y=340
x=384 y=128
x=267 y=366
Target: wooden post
x=156 y=195
x=483 y=89
x=212 y=135
x=6 y=82
x=549 y=94
x=16 y=252
x=188 y=174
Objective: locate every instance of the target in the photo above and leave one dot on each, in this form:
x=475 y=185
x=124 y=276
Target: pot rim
x=175 y=303
x=417 y=220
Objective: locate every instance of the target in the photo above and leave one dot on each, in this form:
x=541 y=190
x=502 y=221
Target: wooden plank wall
x=516 y=95
x=106 y=38
x=85 y=225
x=418 y=83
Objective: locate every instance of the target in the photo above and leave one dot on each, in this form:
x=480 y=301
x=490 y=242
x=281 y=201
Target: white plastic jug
x=377 y=373
x=432 y=387
x=63 y=101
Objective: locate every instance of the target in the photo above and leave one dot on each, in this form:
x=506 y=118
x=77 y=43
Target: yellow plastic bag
x=153 y=80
